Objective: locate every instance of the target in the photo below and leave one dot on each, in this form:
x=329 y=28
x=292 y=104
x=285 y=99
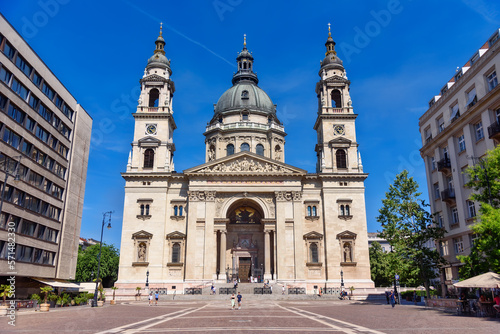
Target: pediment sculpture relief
x=246 y=165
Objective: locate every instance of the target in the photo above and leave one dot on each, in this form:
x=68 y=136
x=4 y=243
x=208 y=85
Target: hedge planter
x=44 y=307
x=100 y=303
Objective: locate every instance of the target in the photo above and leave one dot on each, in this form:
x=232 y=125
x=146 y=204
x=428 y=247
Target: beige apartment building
x=461 y=124
x=244 y=213
x=44 y=149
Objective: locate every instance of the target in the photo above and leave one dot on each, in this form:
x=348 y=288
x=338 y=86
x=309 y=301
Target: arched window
x=314 y=211
x=259 y=149
x=309 y=211
x=336 y=99
x=154 y=95
x=147 y=209
x=341 y=159
x=175 y=210
x=313 y=250
x=176 y=253
x=149 y=158
x=244 y=147
x=347 y=210
x=230 y=149
x=180 y=210
x=142 y=209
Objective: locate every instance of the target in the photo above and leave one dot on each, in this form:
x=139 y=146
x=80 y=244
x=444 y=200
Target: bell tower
x=153 y=147
x=337 y=149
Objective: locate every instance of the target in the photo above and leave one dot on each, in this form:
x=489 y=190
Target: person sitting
x=496 y=305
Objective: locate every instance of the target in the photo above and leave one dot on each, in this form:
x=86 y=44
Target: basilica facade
x=244 y=212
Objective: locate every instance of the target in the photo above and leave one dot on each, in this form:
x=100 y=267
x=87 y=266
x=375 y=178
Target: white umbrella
x=489 y=280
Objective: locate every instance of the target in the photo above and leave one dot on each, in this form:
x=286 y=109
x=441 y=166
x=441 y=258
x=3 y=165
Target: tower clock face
x=339 y=130
x=151 y=129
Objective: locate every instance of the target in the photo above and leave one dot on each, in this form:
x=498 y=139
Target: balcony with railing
x=155 y=109
x=246 y=125
x=494 y=131
x=448 y=196
x=444 y=165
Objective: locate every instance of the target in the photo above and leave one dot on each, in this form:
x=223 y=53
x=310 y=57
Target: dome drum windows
x=230 y=149
x=245 y=147
x=259 y=149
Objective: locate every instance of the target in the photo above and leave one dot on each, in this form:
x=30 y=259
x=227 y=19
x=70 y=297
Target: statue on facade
x=142 y=253
x=347 y=253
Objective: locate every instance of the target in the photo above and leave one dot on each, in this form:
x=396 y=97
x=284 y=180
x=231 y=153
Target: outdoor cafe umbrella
x=488 y=280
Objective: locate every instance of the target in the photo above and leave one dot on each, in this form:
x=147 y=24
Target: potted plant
x=100 y=301
x=45 y=291
x=6 y=292
x=113 y=302
x=37 y=300
x=351 y=288
x=138 y=294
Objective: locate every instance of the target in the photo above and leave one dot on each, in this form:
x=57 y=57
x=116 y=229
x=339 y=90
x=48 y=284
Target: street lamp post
x=341 y=280
x=147 y=282
x=7 y=174
x=100 y=247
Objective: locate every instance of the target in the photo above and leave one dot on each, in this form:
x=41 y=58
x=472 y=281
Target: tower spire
x=244 y=41
x=245 y=65
x=330 y=44
x=160 y=42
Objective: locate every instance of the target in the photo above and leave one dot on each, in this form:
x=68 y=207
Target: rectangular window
x=473 y=239
x=58 y=191
x=34 y=101
x=48 y=91
x=60 y=170
x=459 y=245
x=442 y=248
x=436 y=191
x=42 y=134
x=24 y=253
x=440 y=123
x=5 y=75
x=445 y=152
x=37 y=79
x=465 y=176
x=51 y=235
x=461 y=143
x=23 y=66
x=11 y=138
x=64 y=130
x=59 y=102
x=9 y=50
x=471 y=209
x=28 y=228
x=471 y=98
x=45 y=112
x=16 y=113
x=48 y=258
x=63 y=150
x=439 y=219
x=35 y=179
x=26 y=148
x=455 y=113
x=30 y=124
x=454 y=215
x=3 y=101
x=32 y=203
x=492 y=80
x=19 y=89
x=479 y=131
x=67 y=111
x=433 y=163
x=41 y=231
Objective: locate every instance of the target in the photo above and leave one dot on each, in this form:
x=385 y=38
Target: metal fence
x=227 y=291
x=296 y=291
x=192 y=291
x=262 y=291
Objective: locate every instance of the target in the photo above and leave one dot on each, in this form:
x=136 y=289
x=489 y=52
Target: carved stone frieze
x=210 y=196
x=201 y=196
x=247 y=165
x=282 y=196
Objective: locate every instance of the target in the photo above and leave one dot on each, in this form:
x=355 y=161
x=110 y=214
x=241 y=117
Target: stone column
x=222 y=254
x=267 y=255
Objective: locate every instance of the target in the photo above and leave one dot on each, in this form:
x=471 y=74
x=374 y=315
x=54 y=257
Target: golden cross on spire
x=329 y=32
x=244 y=40
x=161 y=28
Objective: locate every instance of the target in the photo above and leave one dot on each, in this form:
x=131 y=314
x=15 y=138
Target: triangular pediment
x=245 y=163
x=176 y=235
x=346 y=235
x=337 y=78
x=340 y=142
x=313 y=235
x=149 y=141
x=153 y=77
x=142 y=235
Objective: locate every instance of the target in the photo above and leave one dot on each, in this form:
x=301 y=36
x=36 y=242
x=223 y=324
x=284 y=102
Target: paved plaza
x=255 y=316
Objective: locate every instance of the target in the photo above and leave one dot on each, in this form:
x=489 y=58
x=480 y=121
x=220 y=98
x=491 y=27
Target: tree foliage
x=379 y=265
x=88 y=261
x=485 y=252
x=484 y=179
x=408 y=227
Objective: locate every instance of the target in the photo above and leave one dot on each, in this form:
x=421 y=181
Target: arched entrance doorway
x=245 y=241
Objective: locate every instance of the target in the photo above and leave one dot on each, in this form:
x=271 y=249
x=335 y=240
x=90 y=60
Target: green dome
x=245 y=94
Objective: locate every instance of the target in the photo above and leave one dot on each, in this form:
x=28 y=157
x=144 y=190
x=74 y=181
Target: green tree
x=484 y=179
x=485 y=253
x=379 y=265
x=88 y=261
x=408 y=227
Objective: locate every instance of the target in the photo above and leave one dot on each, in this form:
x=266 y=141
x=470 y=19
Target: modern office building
x=461 y=124
x=244 y=212
x=44 y=149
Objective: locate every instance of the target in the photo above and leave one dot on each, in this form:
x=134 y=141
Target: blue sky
x=398 y=54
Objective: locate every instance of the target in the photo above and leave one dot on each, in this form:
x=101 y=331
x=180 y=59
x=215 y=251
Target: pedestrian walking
x=239 y=300
x=157 y=295
x=283 y=290
x=233 y=300
x=393 y=298
x=150 y=298
x=387 y=295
